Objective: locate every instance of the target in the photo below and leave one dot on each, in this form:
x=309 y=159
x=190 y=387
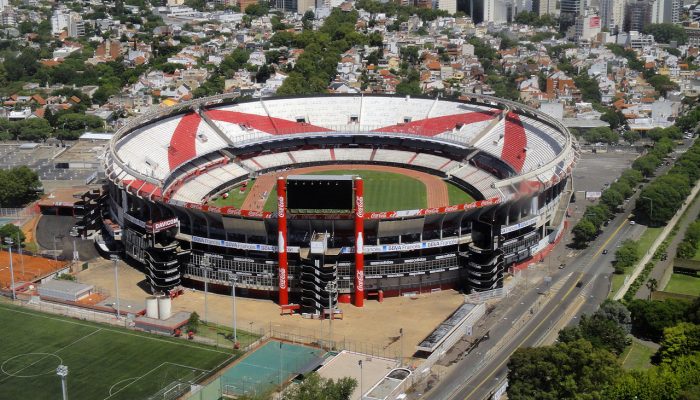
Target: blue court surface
x=268 y=367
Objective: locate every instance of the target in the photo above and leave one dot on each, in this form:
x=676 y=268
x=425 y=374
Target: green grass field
x=684 y=284
x=235 y=197
x=388 y=191
x=647 y=239
x=637 y=356
x=103 y=362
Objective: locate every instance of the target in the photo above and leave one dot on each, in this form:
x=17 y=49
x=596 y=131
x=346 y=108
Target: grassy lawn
x=223 y=335
x=617 y=281
x=457 y=195
x=103 y=361
x=648 y=238
x=637 y=356
x=684 y=284
x=235 y=196
x=384 y=191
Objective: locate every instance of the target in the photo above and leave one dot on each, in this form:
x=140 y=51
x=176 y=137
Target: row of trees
x=661 y=198
x=18 y=186
x=689 y=246
x=584 y=363
x=313 y=387
x=614 y=196
x=596 y=215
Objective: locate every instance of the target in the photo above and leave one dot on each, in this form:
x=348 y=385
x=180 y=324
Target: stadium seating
x=343 y=154
x=434 y=162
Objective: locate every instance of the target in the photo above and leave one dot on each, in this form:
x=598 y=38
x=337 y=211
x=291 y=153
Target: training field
x=384 y=191
x=103 y=362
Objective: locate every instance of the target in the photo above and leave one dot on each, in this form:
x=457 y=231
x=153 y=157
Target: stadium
x=385 y=195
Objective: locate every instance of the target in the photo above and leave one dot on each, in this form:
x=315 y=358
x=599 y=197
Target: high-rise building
x=3 y=4
x=569 y=10
x=666 y=11
x=448 y=5
x=587 y=27
x=638 y=15
x=612 y=14
x=543 y=7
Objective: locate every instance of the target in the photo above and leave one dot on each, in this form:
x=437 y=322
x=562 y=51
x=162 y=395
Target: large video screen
x=319 y=193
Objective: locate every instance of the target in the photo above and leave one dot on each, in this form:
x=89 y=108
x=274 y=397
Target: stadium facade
x=164 y=168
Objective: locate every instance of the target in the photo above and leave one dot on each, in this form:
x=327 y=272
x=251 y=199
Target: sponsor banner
x=431 y=211
x=593 y=195
x=360 y=279
x=160 y=226
x=134 y=220
x=367 y=215
x=387 y=248
x=519 y=225
x=412 y=260
x=283 y=278
x=241 y=245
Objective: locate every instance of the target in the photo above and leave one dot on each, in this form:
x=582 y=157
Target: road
x=475 y=378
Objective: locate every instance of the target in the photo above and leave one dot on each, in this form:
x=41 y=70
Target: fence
x=321 y=339
x=498 y=293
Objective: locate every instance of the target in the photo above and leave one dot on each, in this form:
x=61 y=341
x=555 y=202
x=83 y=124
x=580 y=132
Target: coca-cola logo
x=377 y=215
x=253 y=213
x=360 y=206
x=280 y=206
x=283 y=278
x=431 y=211
x=360 y=281
x=451 y=208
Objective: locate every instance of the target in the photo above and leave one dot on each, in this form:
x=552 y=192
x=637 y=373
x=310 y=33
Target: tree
x=572 y=370
x=630 y=136
x=600 y=331
x=666 y=32
x=616 y=311
x=18 y=186
x=314 y=387
x=193 y=322
x=584 y=232
x=679 y=340
x=652 y=284
x=11 y=231
x=662 y=84
x=646 y=164
x=651 y=317
x=627 y=255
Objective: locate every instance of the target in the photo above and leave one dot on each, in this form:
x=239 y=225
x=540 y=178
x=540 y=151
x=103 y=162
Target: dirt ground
x=372 y=329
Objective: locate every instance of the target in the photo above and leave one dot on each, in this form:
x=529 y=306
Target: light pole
x=12 y=271
x=62 y=371
x=401 y=336
x=234 y=278
x=115 y=259
x=331 y=289
x=205 y=268
x=19 y=250
x=359 y=362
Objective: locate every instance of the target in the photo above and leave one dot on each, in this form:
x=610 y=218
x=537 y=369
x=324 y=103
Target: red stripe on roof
x=182 y=143
x=437 y=125
x=514 y=142
x=275 y=126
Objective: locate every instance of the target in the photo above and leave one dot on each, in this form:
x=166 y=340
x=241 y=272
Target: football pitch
x=103 y=362
x=384 y=191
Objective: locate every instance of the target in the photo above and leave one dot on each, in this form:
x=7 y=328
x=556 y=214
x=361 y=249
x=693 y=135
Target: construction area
x=415 y=316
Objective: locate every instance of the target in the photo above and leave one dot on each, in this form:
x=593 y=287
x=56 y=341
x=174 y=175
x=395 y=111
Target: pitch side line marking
x=138 y=378
x=54 y=353
x=549 y=314
x=39 y=314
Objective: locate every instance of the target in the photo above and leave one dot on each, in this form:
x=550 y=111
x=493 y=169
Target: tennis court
x=270 y=366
